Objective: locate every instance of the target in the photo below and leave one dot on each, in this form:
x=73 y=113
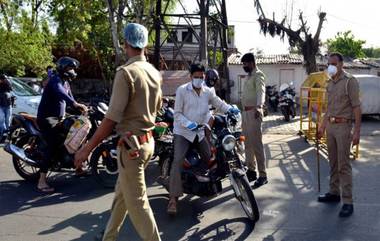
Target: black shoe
x=252 y=176
x=99 y=237
x=260 y=181
x=329 y=198
x=346 y=211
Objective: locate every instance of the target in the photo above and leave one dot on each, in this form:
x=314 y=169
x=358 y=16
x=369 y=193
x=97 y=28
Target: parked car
x=27 y=99
x=369 y=94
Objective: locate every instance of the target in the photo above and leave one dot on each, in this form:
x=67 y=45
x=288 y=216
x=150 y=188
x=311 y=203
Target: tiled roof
x=348 y=63
x=270 y=59
x=235 y=59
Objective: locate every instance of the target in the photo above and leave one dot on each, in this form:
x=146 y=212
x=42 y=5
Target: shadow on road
x=224 y=230
x=20 y=195
x=171 y=228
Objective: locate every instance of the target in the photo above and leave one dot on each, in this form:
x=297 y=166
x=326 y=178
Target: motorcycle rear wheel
x=246 y=197
x=29 y=173
x=104 y=166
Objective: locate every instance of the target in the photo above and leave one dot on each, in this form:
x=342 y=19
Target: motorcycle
x=228 y=161
x=272 y=98
x=287 y=101
x=26 y=145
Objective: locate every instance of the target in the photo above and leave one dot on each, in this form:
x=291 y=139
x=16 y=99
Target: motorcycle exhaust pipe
x=19 y=153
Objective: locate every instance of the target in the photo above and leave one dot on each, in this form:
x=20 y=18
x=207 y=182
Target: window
x=187 y=36
x=22 y=89
x=172 y=35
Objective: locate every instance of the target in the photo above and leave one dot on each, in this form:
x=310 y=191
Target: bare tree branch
x=322 y=18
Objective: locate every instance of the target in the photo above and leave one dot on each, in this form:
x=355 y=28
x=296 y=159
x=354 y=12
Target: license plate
x=273 y=98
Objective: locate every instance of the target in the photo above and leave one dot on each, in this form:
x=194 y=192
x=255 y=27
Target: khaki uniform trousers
x=131 y=197
x=338 y=146
x=254 y=148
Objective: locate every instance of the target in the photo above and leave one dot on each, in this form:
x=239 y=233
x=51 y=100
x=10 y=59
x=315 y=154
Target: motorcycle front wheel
x=286 y=112
x=104 y=165
x=244 y=195
x=29 y=173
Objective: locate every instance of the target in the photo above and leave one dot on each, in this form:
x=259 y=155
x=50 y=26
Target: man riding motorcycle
x=191 y=110
x=57 y=94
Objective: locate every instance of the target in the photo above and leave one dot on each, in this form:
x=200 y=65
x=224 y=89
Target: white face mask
x=197 y=82
x=332 y=70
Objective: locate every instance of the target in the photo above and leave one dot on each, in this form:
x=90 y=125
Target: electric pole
x=157 y=27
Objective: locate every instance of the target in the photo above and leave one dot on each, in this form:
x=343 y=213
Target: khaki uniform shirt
x=342 y=96
x=254 y=89
x=136 y=97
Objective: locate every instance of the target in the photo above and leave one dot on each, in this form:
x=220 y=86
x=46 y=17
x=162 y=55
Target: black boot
x=346 y=211
x=260 y=181
x=329 y=198
x=252 y=176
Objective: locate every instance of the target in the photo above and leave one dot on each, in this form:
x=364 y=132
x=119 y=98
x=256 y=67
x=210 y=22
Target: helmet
x=66 y=67
x=212 y=77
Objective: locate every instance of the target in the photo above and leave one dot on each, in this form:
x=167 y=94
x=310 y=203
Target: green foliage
x=219 y=57
x=25 y=44
x=372 y=52
x=346 y=44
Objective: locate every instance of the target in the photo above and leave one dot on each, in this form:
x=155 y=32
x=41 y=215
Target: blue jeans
x=5 y=118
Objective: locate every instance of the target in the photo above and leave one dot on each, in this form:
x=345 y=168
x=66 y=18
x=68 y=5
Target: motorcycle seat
x=31 y=118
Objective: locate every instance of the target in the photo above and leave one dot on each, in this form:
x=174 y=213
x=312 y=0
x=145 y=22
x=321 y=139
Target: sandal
x=172 y=208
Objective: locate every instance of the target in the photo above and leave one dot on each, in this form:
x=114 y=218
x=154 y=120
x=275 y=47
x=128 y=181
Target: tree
x=307 y=43
x=372 y=52
x=346 y=44
x=25 y=39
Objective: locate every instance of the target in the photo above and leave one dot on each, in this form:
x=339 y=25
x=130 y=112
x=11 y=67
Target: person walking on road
x=253 y=100
x=6 y=100
x=343 y=107
x=135 y=100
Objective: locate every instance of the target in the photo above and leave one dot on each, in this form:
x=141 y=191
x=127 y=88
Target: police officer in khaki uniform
x=342 y=108
x=253 y=100
x=136 y=98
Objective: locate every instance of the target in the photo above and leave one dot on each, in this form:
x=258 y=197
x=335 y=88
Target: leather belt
x=338 y=120
x=145 y=137
x=142 y=139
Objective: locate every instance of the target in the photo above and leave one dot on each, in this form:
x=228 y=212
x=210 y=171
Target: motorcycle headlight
x=229 y=142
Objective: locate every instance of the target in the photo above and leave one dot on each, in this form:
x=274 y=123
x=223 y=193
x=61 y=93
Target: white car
x=27 y=99
x=369 y=86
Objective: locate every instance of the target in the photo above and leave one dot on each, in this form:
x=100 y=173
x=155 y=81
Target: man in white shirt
x=191 y=110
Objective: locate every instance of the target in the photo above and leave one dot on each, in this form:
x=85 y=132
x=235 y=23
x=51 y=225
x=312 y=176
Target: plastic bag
x=77 y=134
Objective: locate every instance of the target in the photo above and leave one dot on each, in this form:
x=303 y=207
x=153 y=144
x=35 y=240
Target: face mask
x=197 y=83
x=210 y=83
x=332 y=70
x=247 y=69
x=71 y=74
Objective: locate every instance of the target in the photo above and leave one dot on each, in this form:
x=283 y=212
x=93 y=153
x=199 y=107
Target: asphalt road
x=289 y=210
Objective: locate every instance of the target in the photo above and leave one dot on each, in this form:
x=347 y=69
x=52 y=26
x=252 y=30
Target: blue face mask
x=197 y=82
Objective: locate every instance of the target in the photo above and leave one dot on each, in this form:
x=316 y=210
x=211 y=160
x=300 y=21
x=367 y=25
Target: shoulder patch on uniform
x=120 y=67
x=348 y=75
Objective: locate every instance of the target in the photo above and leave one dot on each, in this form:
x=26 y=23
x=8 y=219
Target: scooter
x=287 y=101
x=272 y=97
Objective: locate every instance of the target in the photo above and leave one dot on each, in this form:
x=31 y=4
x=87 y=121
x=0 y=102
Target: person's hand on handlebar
x=81 y=107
